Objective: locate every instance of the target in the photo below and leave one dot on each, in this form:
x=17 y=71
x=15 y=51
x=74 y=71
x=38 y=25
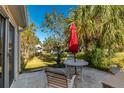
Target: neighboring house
x=13 y=19
x=38 y=48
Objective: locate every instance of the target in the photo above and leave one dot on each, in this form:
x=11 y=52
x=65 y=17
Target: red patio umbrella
x=73 y=42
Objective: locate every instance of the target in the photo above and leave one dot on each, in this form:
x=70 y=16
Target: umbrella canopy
x=73 y=42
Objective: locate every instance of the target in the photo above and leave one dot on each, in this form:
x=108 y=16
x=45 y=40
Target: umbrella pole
x=75 y=61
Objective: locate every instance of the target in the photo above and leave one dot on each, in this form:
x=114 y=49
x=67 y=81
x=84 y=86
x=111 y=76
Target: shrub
x=105 y=65
x=64 y=54
x=80 y=55
x=99 y=60
x=118 y=59
x=96 y=56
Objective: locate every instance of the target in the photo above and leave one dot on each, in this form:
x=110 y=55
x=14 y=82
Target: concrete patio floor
x=92 y=79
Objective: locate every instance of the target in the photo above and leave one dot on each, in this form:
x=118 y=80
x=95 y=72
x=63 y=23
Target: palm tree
x=99 y=25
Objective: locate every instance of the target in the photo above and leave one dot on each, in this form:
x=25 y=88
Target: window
x=2 y=28
x=11 y=53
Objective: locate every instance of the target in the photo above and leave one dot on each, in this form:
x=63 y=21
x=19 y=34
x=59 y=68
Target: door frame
x=5 y=62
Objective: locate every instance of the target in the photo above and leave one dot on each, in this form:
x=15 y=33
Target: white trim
x=15 y=55
x=3 y=13
x=19 y=53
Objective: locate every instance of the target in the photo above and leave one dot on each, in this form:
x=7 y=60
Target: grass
x=35 y=62
x=42 y=60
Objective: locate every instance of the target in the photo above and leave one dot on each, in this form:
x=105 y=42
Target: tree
x=28 y=41
x=49 y=43
x=99 y=25
x=54 y=24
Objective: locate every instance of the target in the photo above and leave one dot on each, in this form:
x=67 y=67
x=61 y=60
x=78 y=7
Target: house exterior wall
x=6 y=13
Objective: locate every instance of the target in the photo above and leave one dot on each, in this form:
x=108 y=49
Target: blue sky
x=37 y=13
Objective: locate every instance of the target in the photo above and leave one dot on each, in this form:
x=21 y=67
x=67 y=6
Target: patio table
x=71 y=65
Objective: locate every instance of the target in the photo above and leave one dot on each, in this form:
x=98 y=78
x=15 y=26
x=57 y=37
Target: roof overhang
x=19 y=13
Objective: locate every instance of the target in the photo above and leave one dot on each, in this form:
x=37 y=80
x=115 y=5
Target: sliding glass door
x=11 y=53
x=2 y=30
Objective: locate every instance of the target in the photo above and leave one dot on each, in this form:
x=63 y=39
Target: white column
x=15 y=54
x=19 y=49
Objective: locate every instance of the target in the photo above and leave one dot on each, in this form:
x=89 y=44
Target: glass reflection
x=11 y=53
x=2 y=25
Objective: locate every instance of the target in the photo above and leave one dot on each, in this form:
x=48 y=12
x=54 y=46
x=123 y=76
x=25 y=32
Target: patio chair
x=57 y=78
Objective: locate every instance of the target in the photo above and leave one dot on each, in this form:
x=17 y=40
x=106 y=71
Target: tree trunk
x=87 y=47
x=58 y=55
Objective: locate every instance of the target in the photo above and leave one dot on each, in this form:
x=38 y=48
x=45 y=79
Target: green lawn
x=35 y=62
x=43 y=60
